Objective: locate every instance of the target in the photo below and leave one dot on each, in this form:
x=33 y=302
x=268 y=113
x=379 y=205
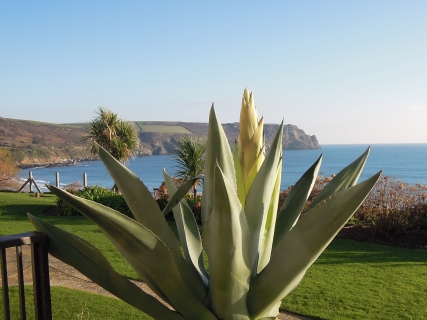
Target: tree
x=190 y=156
x=8 y=171
x=115 y=135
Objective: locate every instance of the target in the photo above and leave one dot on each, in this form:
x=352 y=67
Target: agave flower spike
x=249 y=151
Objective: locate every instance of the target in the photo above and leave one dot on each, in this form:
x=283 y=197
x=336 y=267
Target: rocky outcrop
x=296 y=139
x=162 y=143
x=293 y=137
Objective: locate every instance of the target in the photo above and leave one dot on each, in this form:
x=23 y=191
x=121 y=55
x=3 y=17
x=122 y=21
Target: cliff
x=34 y=142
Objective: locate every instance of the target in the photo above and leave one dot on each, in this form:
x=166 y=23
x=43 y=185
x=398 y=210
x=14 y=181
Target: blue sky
x=345 y=71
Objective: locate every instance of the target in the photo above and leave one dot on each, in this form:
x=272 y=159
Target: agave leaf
x=268 y=233
x=259 y=197
x=226 y=241
x=141 y=202
x=273 y=312
x=188 y=232
x=254 y=170
x=295 y=201
x=345 y=178
x=147 y=212
x=217 y=152
x=254 y=146
x=301 y=246
x=89 y=260
x=241 y=193
x=147 y=253
x=180 y=193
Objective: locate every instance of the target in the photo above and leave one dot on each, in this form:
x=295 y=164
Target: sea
x=406 y=162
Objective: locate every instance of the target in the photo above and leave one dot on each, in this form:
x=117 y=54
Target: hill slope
x=39 y=143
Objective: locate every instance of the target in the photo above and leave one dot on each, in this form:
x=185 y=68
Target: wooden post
x=57 y=179
x=31 y=181
x=84 y=180
x=30 y=178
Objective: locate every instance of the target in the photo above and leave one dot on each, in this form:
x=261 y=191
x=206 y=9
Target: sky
x=346 y=71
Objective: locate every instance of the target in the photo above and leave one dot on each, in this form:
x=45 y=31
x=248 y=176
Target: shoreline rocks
x=50 y=164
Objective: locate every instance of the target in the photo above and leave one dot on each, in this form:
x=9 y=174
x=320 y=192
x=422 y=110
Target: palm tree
x=115 y=135
x=190 y=157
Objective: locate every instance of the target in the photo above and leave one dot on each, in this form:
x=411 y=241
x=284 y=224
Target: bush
x=194 y=203
x=196 y=206
x=98 y=194
x=9 y=172
x=392 y=208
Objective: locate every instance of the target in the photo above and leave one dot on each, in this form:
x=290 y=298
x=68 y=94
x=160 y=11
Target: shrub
x=162 y=202
x=194 y=203
x=196 y=206
x=392 y=208
x=9 y=179
x=97 y=194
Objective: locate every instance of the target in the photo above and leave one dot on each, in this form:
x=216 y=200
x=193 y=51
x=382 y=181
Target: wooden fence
x=30 y=181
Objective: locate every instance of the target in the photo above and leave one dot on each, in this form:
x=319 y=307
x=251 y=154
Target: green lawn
x=350 y=280
x=13 y=220
x=356 y=280
x=68 y=304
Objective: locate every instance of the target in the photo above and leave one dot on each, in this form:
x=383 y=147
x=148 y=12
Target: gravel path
x=64 y=275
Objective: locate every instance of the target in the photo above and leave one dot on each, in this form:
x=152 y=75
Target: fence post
x=30 y=178
x=30 y=181
x=57 y=179
x=41 y=283
x=84 y=180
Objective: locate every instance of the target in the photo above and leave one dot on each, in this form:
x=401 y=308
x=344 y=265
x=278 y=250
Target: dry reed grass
x=392 y=208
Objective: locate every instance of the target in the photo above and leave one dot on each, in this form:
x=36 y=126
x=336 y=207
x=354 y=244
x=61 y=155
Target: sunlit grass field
x=350 y=280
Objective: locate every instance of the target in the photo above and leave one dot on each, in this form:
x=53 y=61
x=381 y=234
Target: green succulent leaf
x=218 y=152
x=180 y=193
x=256 y=166
x=301 y=246
x=188 y=232
x=295 y=201
x=270 y=223
x=89 y=261
x=258 y=204
x=147 y=254
x=141 y=202
x=241 y=193
x=345 y=178
x=226 y=241
x=146 y=211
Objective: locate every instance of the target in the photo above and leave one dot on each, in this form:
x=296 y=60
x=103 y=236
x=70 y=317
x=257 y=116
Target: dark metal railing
x=40 y=267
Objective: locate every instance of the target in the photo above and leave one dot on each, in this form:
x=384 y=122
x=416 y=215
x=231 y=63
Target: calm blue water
x=407 y=162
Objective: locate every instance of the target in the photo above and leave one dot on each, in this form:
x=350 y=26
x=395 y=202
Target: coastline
x=62 y=163
x=65 y=162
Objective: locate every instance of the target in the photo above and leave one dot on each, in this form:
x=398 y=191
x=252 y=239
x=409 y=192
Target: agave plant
x=256 y=257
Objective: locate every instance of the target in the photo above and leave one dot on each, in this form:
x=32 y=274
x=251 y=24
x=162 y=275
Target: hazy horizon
x=346 y=72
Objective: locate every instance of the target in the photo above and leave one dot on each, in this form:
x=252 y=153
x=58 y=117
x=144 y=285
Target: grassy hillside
x=40 y=142
x=170 y=129
x=34 y=142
